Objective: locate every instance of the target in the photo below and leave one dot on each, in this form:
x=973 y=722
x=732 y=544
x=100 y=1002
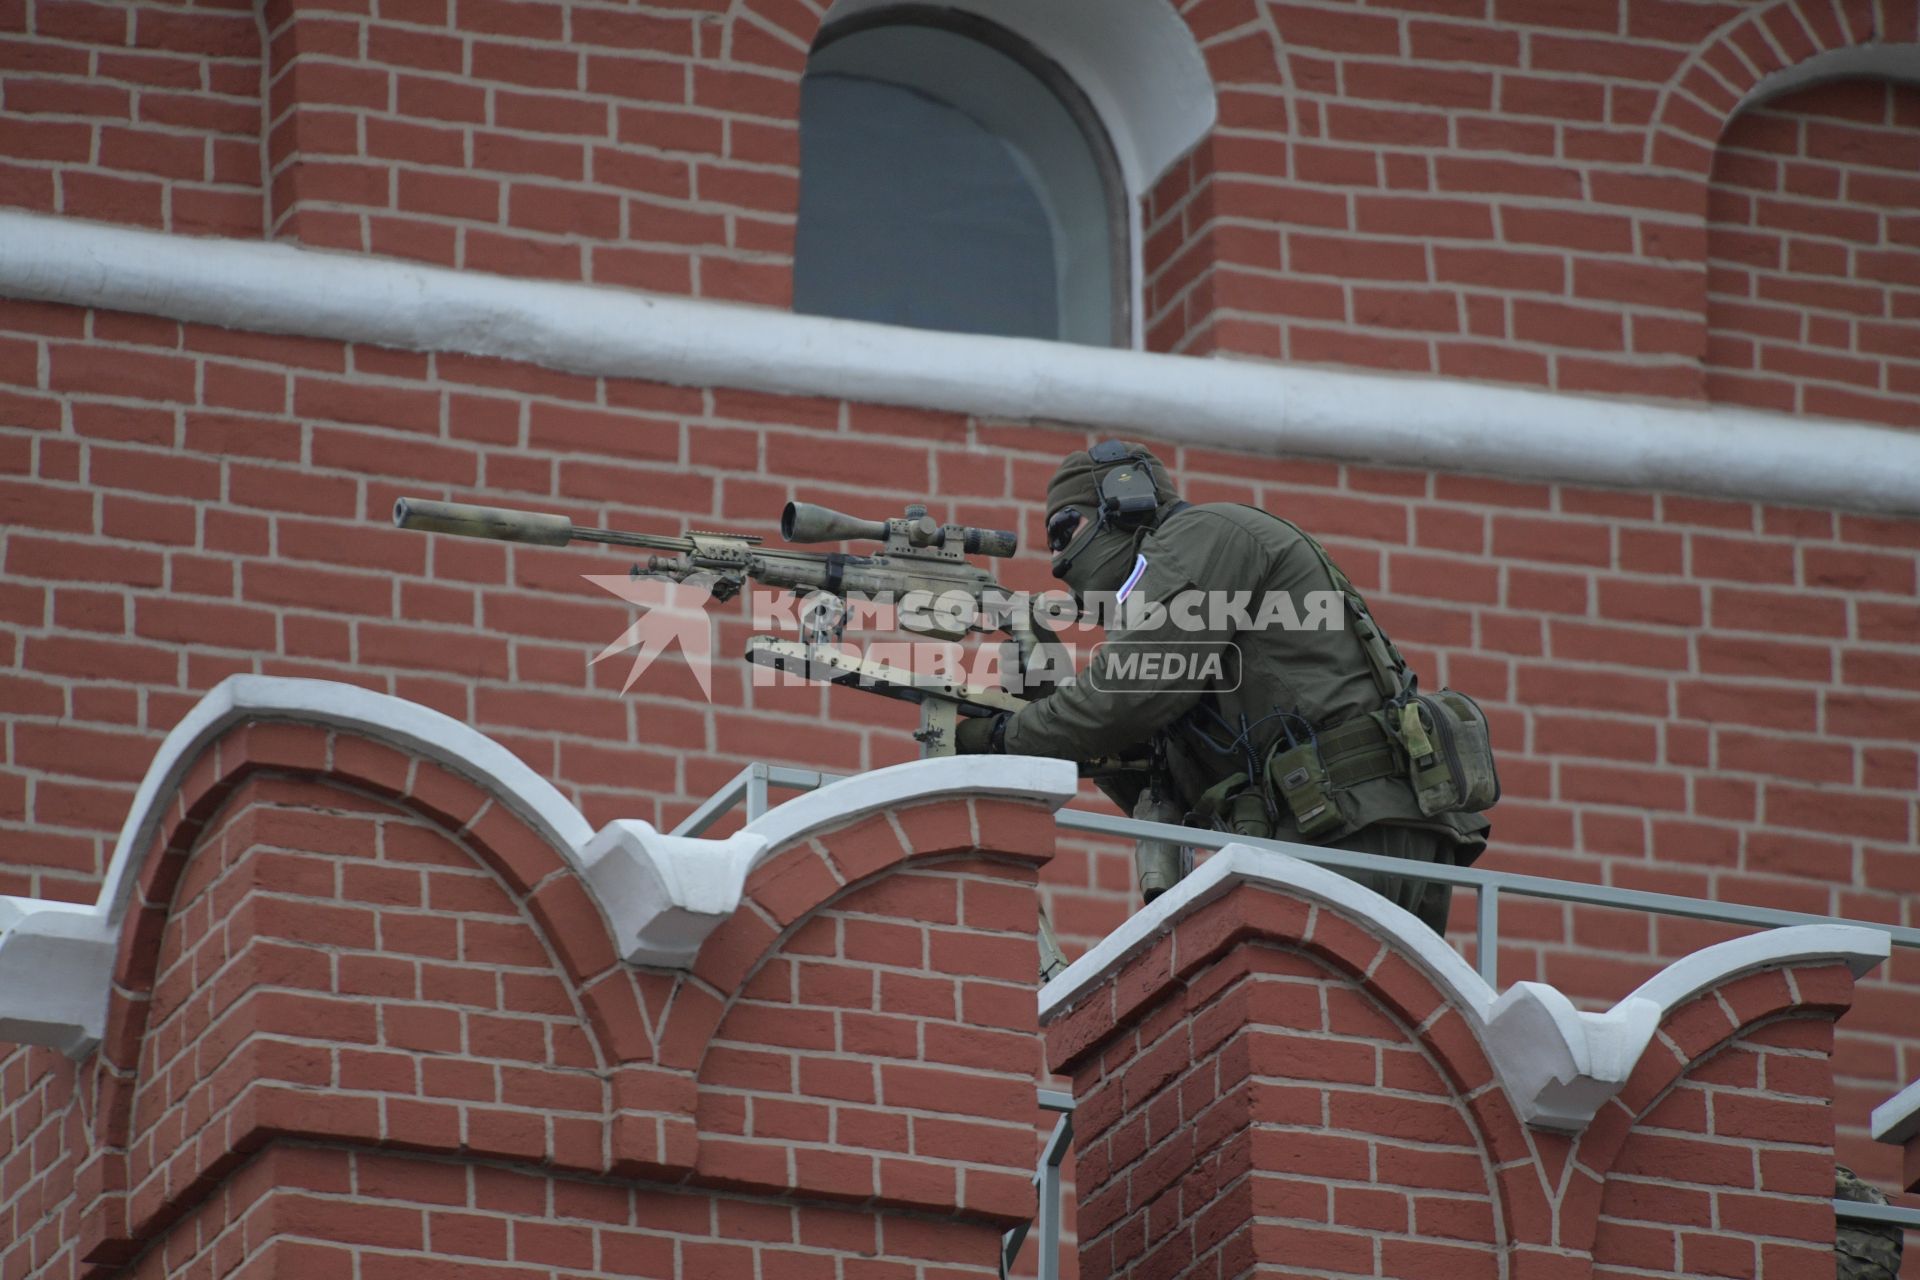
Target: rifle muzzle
x=468 y=521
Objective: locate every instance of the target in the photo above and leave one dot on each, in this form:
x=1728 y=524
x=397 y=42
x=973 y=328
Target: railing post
x=1046 y=1178
x=756 y=790
x=1050 y=1208
x=1487 y=935
x=716 y=805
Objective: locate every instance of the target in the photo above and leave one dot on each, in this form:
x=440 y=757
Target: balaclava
x=1102 y=552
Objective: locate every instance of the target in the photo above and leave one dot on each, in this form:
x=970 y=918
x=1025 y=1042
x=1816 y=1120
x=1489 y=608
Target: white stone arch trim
x=1771 y=48
x=1558 y=1064
x=662 y=894
x=56 y=959
x=1136 y=61
x=1899 y=63
x=330 y=704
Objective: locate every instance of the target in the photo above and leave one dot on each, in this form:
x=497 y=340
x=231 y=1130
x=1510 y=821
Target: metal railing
x=1889 y=1214
x=1046 y=1179
x=753 y=784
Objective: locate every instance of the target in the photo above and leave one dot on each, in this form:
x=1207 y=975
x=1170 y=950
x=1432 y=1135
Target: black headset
x=1126 y=493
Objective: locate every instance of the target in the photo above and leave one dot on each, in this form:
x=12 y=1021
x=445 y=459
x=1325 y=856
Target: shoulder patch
x=1133 y=579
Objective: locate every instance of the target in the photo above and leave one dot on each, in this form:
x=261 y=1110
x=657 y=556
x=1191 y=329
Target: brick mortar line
x=1623 y=355
x=575 y=94
x=467 y=130
x=1481 y=505
x=1674 y=525
x=129 y=124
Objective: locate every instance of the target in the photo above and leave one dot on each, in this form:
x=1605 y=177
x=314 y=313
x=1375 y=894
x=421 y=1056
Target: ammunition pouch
x=1299 y=777
x=1232 y=805
x=1358 y=750
x=1448 y=751
x=1313 y=778
x=1310 y=781
x=1435 y=748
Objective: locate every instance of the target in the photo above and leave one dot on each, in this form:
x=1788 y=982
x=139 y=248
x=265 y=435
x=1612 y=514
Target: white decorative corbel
x=1559 y=1064
x=665 y=894
x=56 y=964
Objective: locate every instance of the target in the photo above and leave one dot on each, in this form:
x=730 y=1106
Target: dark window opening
x=953 y=178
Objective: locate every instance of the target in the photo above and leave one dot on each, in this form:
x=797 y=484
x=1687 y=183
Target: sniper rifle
x=918 y=559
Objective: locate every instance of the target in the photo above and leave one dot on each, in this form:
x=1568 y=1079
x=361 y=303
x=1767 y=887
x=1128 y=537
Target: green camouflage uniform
x=1319 y=678
x=1863 y=1251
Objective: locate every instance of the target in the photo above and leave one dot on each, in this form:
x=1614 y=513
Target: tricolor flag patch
x=1139 y=568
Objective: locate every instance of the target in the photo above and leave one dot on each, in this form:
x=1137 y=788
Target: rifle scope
x=805 y=522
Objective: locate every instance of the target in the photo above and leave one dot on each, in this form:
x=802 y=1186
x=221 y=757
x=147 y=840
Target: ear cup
x=1127 y=493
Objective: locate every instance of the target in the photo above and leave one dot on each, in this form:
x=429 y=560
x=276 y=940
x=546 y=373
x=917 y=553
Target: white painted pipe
x=1405 y=421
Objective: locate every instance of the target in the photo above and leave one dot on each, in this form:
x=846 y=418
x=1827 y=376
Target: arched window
x=953 y=177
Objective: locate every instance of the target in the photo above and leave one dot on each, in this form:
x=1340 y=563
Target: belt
x=1358 y=750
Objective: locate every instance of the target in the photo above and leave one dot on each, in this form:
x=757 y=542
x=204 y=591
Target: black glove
x=981 y=735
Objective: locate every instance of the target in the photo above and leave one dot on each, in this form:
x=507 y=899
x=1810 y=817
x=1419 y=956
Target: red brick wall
x=1177 y=255
x=329 y=1213
x=1277 y=1092
x=1716 y=698
x=569 y=141
x=1512 y=192
x=1814 y=254
x=316 y=1211
x=318 y=943
x=1270 y=1085
x=1730 y=1172
x=140 y=113
x=334 y=943
x=45 y=1139
x=1701 y=697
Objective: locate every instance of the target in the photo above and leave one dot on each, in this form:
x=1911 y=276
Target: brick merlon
x=662 y=894
x=1558 y=1064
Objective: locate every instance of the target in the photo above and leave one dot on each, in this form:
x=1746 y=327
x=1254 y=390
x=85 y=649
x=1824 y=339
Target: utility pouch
x=1232 y=805
x=1247 y=815
x=1300 y=777
x=1158 y=864
x=1449 y=752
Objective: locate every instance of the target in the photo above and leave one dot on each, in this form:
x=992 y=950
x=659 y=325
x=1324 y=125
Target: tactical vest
x=1409 y=758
